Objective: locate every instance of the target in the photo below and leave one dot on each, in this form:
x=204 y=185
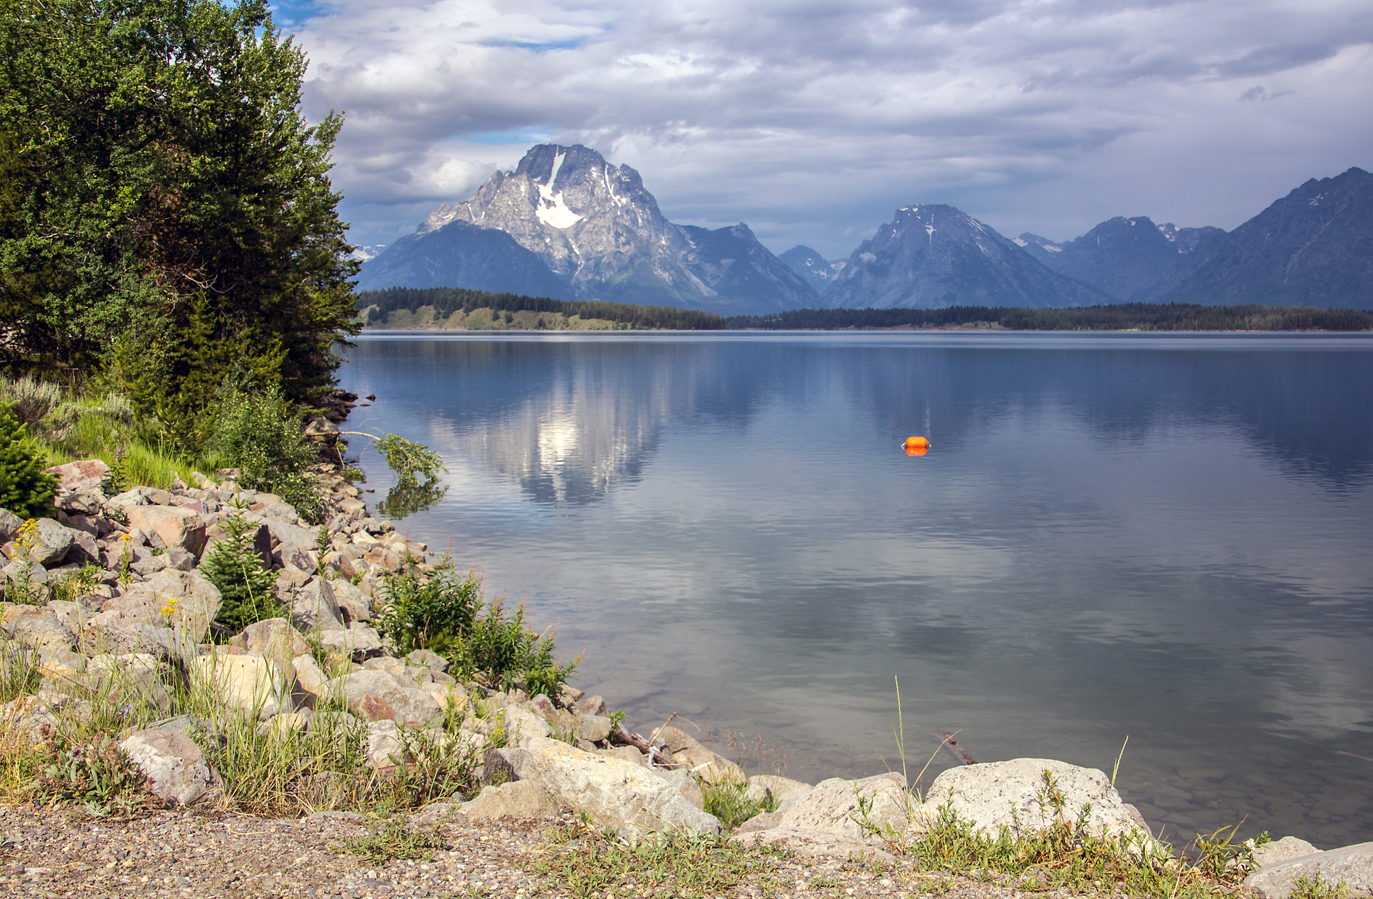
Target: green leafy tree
x=165 y=210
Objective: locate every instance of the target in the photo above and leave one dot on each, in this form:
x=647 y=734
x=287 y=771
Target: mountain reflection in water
x=1164 y=536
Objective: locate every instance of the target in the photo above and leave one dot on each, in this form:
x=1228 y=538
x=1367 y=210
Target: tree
x=166 y=215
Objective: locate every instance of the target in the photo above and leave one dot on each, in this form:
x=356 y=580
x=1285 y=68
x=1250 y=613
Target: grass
x=729 y=801
x=264 y=770
x=587 y=863
x=1318 y=888
x=394 y=838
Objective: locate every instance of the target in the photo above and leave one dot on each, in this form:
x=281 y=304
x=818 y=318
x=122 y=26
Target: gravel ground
x=188 y=854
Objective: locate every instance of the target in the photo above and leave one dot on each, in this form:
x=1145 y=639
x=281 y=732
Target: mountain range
x=567 y=224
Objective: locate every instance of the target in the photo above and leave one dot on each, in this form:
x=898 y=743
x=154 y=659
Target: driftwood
x=947 y=741
x=657 y=757
x=1352 y=755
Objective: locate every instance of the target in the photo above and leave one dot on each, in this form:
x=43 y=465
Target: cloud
x=813 y=121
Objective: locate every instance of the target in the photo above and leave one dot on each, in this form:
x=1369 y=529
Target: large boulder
x=177 y=527
x=785 y=791
x=83 y=474
x=185 y=601
x=1351 y=866
x=857 y=809
x=172 y=762
x=9 y=525
x=38 y=627
x=378 y=695
x=248 y=683
x=616 y=793
x=356 y=642
x=1015 y=795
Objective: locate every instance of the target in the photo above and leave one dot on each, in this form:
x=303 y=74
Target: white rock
x=173 y=763
x=517 y=799
x=248 y=683
x=1012 y=794
x=615 y=793
x=838 y=806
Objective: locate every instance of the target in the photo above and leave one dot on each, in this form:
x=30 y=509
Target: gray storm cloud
x=812 y=121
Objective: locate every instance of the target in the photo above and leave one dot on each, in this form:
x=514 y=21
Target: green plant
x=247 y=588
x=18 y=669
x=730 y=802
x=97 y=775
x=261 y=435
x=433 y=613
x=24 y=489
x=392 y=839
x=507 y=653
x=586 y=863
x=77 y=583
x=1318 y=888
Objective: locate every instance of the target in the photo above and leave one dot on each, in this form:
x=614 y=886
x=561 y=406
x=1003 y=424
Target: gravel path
x=47 y=853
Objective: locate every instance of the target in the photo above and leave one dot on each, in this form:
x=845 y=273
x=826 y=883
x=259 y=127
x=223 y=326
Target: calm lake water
x=1155 y=536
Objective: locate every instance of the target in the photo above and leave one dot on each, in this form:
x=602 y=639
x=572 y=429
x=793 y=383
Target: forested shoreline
x=446 y=301
x=1123 y=317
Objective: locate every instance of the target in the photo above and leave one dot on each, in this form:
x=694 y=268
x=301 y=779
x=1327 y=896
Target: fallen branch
x=947 y=741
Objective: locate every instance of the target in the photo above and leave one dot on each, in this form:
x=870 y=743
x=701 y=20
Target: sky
x=814 y=121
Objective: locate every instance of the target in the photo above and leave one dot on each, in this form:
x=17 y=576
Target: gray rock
x=310 y=683
x=175 y=526
x=592 y=705
x=9 y=525
x=615 y=793
x=174 y=765
x=516 y=799
x=385 y=748
x=837 y=806
x=1012 y=794
x=426 y=659
x=497 y=767
x=1280 y=851
x=786 y=791
x=40 y=628
x=685 y=784
x=594 y=728
x=1349 y=865
x=353 y=604
x=523 y=725
x=248 y=683
x=274 y=639
x=357 y=642
x=53 y=542
x=83 y=549
x=81 y=475
x=380 y=695
x=314 y=606
x=185 y=601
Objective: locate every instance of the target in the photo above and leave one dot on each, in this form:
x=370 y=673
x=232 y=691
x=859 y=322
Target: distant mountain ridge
x=933 y=256
x=567 y=224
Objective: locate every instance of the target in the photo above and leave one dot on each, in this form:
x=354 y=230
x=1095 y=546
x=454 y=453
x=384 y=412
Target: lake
x=1162 y=537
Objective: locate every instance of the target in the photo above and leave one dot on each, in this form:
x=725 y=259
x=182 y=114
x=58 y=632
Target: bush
x=24 y=489
x=263 y=437
x=445 y=615
x=248 y=590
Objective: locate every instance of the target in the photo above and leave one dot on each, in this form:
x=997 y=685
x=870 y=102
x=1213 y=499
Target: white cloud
x=813 y=121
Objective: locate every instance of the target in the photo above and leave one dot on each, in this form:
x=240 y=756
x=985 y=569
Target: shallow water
x=1165 y=537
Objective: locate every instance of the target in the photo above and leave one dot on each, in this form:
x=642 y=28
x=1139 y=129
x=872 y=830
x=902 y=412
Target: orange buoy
x=917 y=450
x=916 y=441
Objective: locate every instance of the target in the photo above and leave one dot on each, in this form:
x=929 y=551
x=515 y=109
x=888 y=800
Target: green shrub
x=444 y=614
x=248 y=590
x=24 y=489
x=431 y=614
x=262 y=436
